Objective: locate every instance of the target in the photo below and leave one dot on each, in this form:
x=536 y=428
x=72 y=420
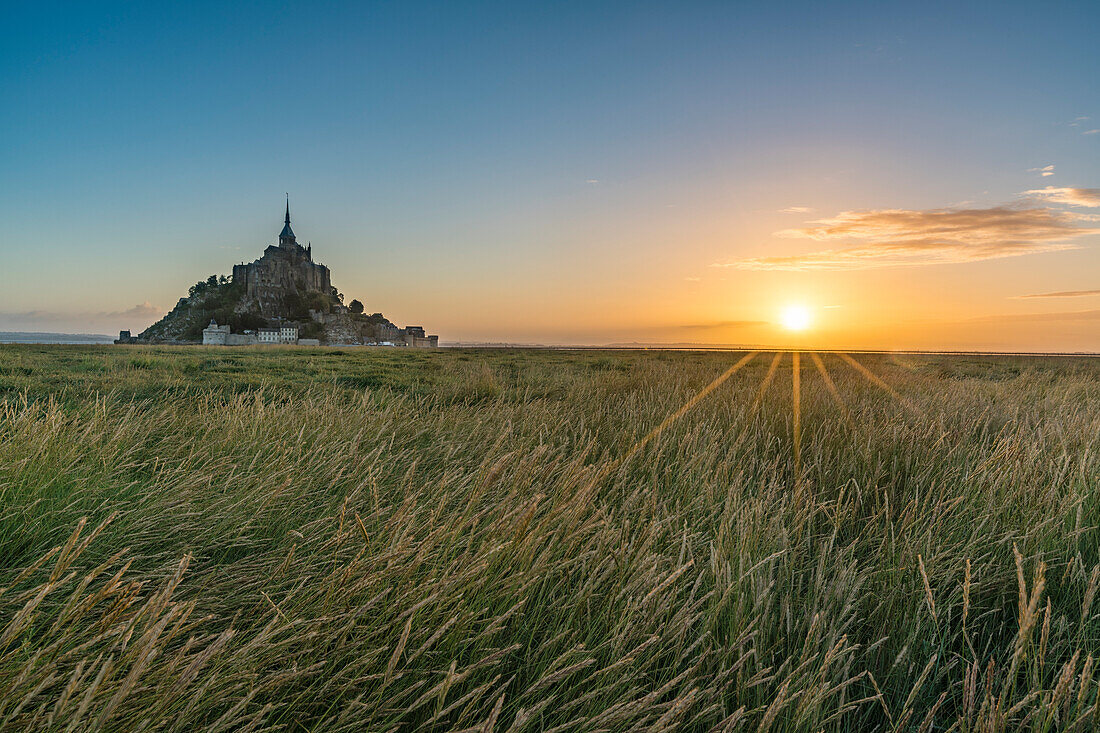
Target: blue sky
x=556 y=173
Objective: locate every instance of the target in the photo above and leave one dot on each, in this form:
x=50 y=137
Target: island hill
x=283 y=297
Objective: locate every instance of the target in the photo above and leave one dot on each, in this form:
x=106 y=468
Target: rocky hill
x=284 y=286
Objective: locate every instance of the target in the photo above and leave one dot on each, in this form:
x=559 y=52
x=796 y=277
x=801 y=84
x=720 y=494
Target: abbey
x=283 y=297
x=287 y=267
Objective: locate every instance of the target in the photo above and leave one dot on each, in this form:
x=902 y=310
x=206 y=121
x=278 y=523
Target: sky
x=914 y=175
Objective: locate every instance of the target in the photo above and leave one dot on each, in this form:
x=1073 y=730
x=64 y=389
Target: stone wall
x=281 y=270
x=340 y=328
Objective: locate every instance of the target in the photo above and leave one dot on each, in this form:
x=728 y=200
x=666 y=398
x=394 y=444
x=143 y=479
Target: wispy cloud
x=723 y=325
x=1089 y=315
x=49 y=320
x=143 y=310
x=1061 y=294
x=1077 y=122
x=1047 y=170
x=796 y=210
x=1073 y=196
x=906 y=238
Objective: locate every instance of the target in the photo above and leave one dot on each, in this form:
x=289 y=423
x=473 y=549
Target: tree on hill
x=355 y=307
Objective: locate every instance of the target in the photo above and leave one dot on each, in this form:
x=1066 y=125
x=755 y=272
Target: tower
x=286 y=237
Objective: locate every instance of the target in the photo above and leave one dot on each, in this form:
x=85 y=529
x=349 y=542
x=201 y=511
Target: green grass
x=384 y=539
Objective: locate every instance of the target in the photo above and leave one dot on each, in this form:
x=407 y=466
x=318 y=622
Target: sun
x=795 y=317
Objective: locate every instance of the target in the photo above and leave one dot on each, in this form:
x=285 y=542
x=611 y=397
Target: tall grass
x=453 y=541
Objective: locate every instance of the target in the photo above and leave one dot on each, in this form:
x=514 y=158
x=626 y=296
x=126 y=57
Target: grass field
x=503 y=540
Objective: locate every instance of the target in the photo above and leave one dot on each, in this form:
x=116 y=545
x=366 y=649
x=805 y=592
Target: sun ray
x=796 y=413
x=759 y=398
x=878 y=382
x=832 y=389
x=687 y=406
x=764 y=384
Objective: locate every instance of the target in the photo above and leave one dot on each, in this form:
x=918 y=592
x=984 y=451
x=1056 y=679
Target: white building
x=215 y=335
x=268 y=335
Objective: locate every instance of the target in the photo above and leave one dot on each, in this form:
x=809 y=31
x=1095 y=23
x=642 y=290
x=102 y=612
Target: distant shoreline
x=45 y=337
x=96 y=339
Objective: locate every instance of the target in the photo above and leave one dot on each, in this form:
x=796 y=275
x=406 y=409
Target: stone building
x=416 y=337
x=215 y=335
x=387 y=332
x=287 y=267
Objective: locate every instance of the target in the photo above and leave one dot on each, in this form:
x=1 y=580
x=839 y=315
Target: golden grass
x=295 y=540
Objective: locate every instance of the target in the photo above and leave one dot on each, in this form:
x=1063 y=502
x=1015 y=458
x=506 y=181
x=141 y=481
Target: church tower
x=285 y=268
x=287 y=239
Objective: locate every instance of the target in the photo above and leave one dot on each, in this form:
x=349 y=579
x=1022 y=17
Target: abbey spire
x=286 y=236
